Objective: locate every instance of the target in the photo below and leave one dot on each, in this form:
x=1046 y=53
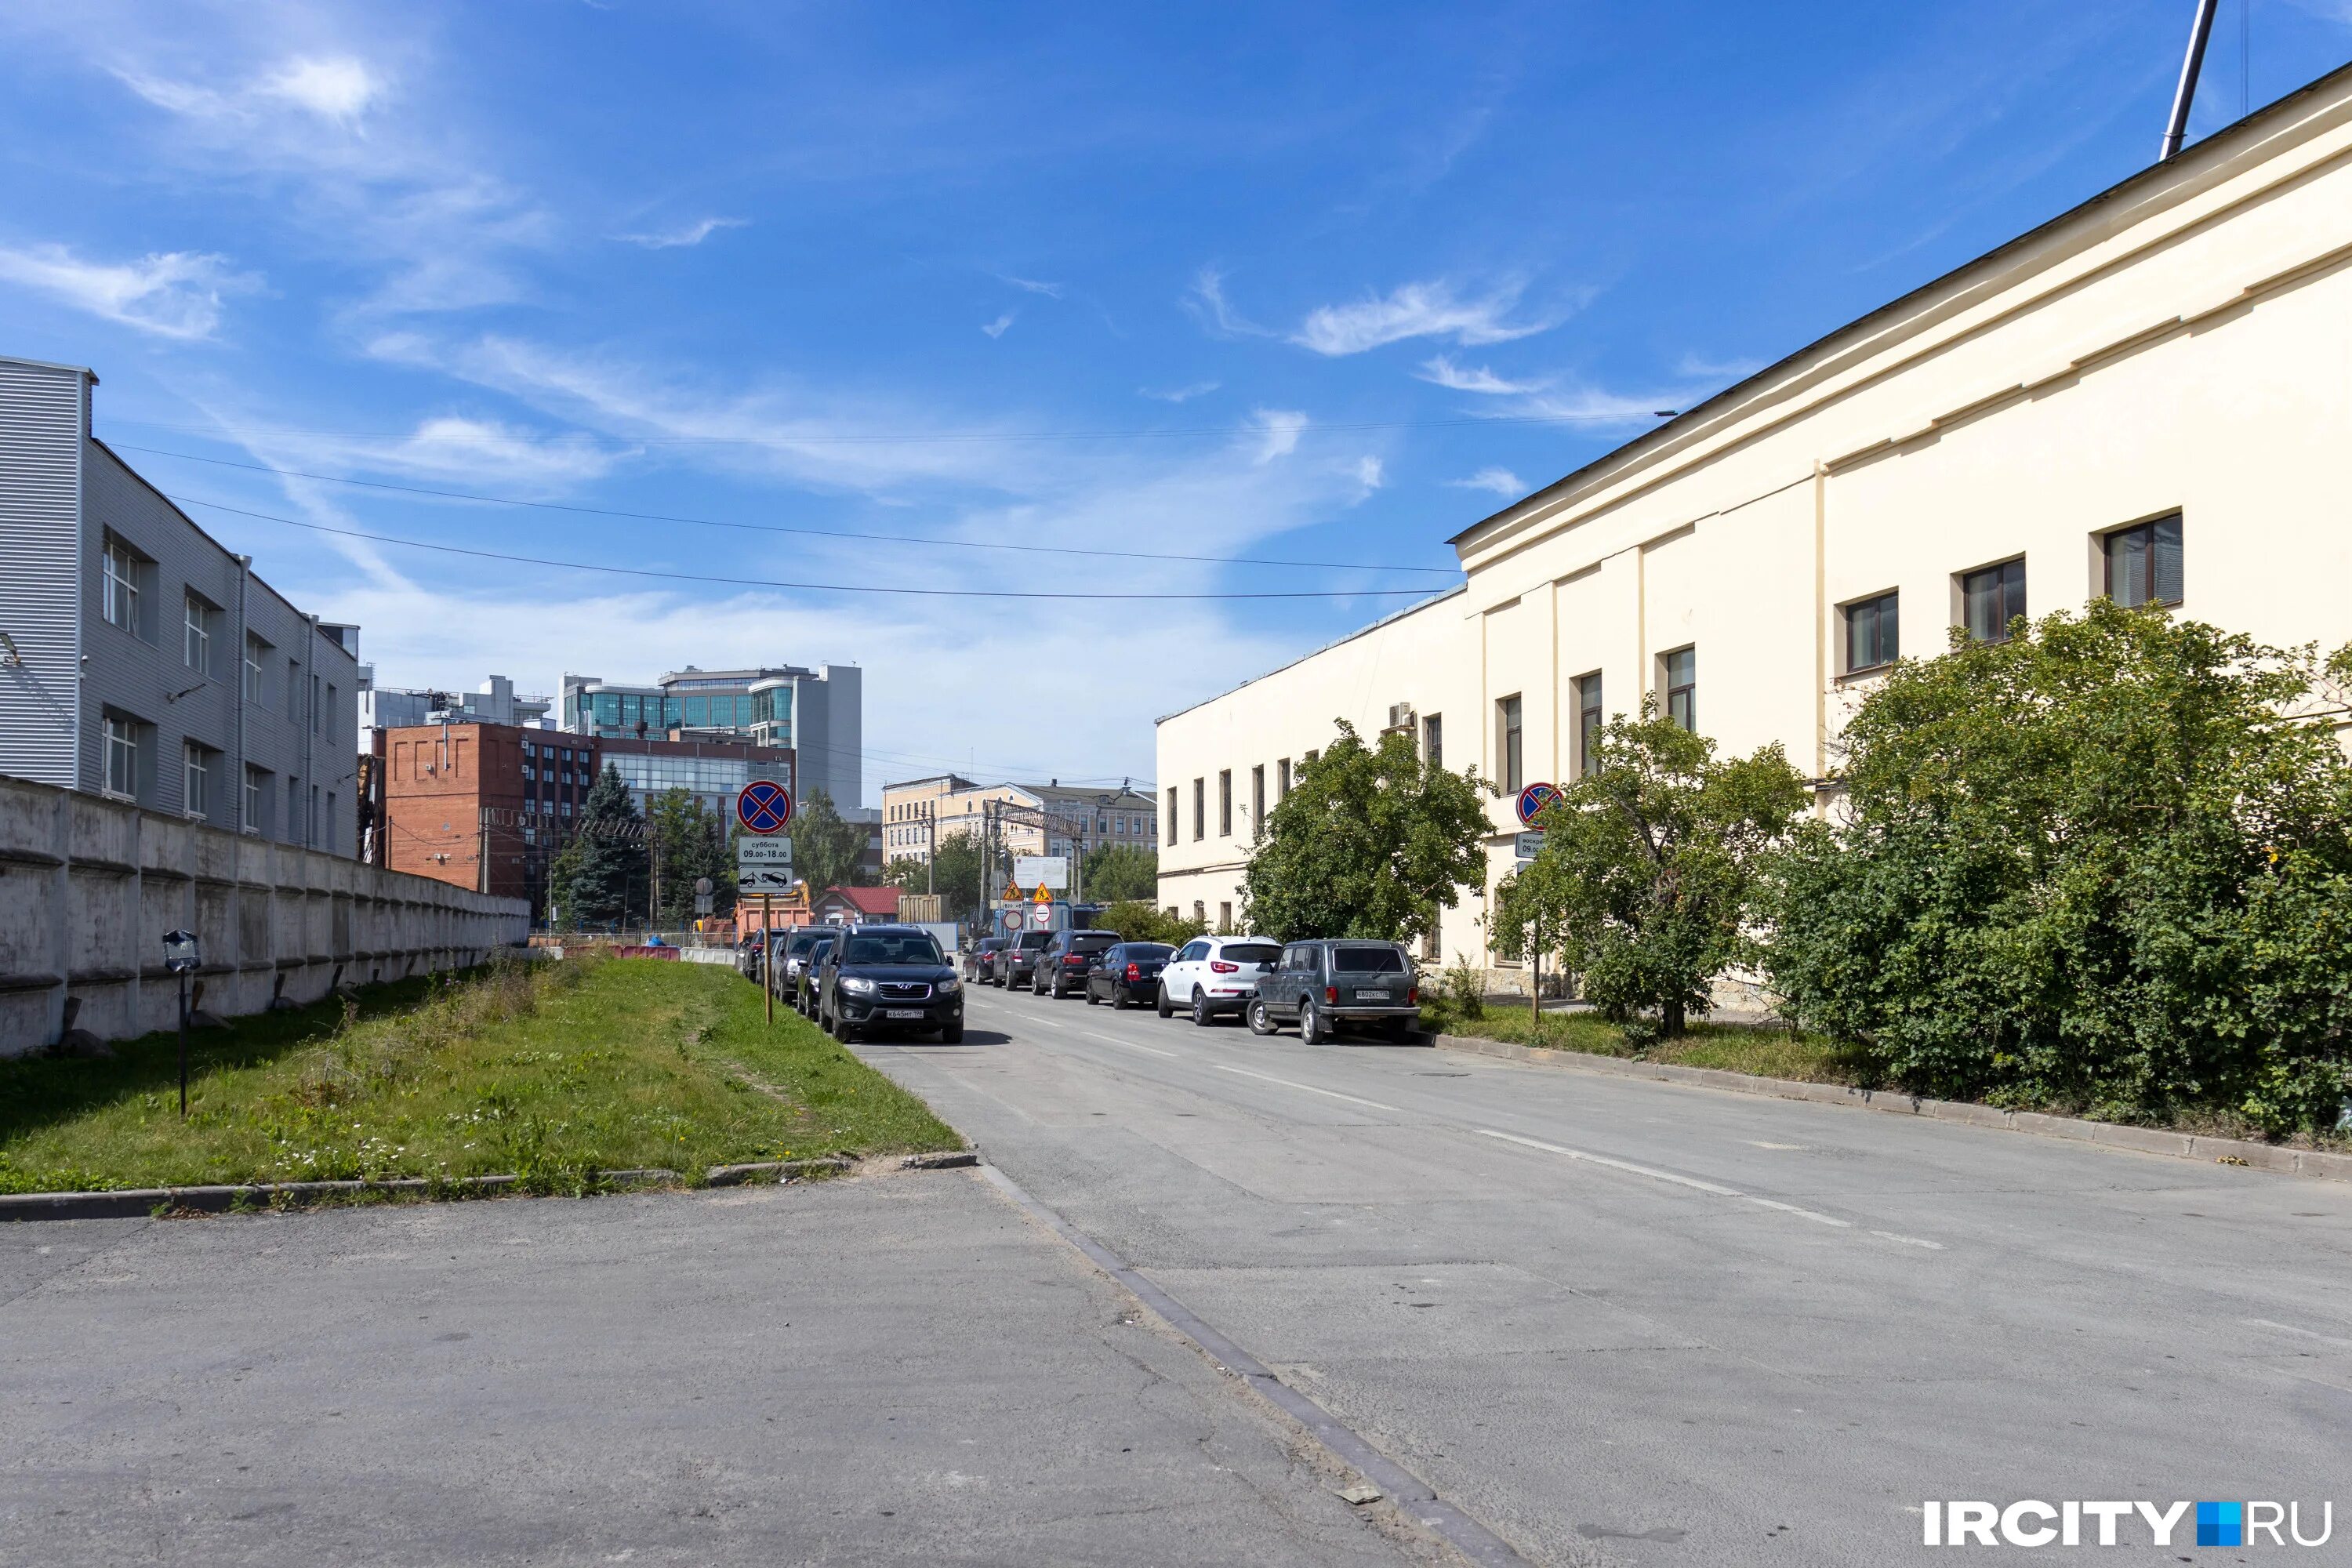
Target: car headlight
x=949 y=985
x=855 y=985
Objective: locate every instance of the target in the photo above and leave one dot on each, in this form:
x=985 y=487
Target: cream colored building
x=2164 y=372
x=1030 y=819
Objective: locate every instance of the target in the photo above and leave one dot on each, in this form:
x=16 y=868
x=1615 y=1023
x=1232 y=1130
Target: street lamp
x=180 y=958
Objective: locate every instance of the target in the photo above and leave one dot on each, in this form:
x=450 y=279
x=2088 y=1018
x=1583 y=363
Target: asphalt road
x=903 y=1370
x=1632 y=1322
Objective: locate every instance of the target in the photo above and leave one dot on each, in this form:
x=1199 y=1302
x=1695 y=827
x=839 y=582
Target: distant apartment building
x=816 y=714
x=495 y=701
x=479 y=806
x=139 y=659
x=1028 y=819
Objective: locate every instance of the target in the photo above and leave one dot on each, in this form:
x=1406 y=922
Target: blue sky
x=1313 y=283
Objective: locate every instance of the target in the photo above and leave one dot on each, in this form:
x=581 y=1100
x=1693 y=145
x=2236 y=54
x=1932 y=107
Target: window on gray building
x=254 y=649
x=123 y=586
x=257 y=799
x=201 y=619
x=293 y=809
x=294 y=689
x=123 y=744
x=195 y=787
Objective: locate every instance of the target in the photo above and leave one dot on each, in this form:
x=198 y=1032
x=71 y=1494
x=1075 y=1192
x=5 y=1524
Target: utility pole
x=2177 y=127
x=930 y=846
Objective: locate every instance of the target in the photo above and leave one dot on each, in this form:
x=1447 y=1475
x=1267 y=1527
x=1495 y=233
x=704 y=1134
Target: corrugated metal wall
x=42 y=408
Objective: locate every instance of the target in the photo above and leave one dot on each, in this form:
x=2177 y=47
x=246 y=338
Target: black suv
x=1324 y=985
x=888 y=977
x=1063 y=962
x=1018 y=962
x=1128 y=975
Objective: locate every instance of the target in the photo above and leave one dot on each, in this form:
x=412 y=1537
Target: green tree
x=1140 y=921
x=828 y=850
x=1115 y=873
x=1368 y=843
x=955 y=877
x=1647 y=868
x=692 y=842
x=2104 y=865
x=598 y=879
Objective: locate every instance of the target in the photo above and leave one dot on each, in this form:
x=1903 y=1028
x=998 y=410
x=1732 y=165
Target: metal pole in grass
x=180 y=958
x=767 y=952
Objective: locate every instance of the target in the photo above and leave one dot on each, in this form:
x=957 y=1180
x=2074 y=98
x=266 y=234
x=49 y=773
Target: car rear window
x=1367 y=961
x=1031 y=940
x=1250 y=952
x=1146 y=950
x=1095 y=943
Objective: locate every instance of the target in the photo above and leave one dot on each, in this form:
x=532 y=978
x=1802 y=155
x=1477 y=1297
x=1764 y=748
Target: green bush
x=2104 y=865
x=1138 y=920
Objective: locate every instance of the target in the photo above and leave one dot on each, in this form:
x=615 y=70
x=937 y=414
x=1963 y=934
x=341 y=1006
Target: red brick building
x=480 y=806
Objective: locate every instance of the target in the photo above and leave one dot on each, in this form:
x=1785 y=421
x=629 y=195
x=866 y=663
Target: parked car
x=791 y=954
x=1324 y=987
x=1128 y=974
x=888 y=977
x=1019 y=959
x=802 y=996
x=1213 y=975
x=1063 y=962
x=979 y=960
x=746 y=956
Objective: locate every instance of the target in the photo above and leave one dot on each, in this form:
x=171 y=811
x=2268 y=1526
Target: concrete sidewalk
x=897 y=1370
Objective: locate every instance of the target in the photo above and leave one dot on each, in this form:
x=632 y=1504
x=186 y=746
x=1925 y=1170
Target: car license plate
x=1371 y=996
x=902 y=1013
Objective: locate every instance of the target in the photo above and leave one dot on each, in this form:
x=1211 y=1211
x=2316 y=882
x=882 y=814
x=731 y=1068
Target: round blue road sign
x=764 y=806
x=1533 y=799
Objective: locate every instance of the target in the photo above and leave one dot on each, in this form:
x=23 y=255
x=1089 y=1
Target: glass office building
x=816 y=714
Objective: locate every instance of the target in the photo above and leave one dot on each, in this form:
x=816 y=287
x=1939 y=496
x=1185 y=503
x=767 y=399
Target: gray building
x=143 y=661
x=495 y=701
x=817 y=714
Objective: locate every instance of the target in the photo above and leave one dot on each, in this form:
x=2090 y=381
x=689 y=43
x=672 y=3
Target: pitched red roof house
x=848 y=906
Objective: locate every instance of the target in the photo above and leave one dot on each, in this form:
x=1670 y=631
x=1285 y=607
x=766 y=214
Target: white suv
x=1214 y=975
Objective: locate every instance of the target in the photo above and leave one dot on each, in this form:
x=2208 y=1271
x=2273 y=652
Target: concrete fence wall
x=88 y=886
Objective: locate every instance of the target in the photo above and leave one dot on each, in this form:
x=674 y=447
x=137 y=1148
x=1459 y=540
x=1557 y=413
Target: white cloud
x=996 y=329
x=1369 y=473
x=1206 y=299
x=691 y=233
x=175 y=294
x=1178 y=394
x=1278 y=432
x=1502 y=481
x=340 y=89
x=1051 y=291
x=1458 y=378
x=1414 y=310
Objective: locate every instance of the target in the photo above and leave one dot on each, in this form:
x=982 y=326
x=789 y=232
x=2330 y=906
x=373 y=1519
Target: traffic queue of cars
x=1319 y=987
x=872 y=978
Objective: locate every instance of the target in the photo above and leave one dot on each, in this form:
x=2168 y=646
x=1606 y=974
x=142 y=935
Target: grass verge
x=1766 y=1051
x=552 y=1071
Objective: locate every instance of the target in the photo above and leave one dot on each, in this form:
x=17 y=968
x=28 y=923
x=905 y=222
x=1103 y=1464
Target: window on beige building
x=1225 y=803
x=1226 y=919
x=1587 y=723
x=1432 y=740
x=2143 y=563
x=1679 y=678
x=1200 y=809
x=1171 y=819
x=1257 y=798
x=1873 y=629
x=1990 y=598
x=1509 y=756
x=1282 y=781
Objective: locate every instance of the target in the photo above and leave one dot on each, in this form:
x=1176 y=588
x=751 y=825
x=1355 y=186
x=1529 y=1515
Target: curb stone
x=138 y=1203
x=2309 y=1162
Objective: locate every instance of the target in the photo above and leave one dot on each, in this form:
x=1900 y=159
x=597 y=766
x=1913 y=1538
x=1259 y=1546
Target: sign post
x=768 y=954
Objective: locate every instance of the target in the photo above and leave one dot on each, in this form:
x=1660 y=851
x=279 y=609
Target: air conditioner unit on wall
x=1401 y=716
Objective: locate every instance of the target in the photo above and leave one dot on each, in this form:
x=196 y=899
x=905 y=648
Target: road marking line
x=1131 y=1044
x=1656 y=1176
x=1310 y=1089
x=1909 y=1240
x=2291 y=1329
x=1807 y=1214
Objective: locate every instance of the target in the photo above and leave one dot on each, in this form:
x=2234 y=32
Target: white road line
x=1310 y=1089
x=1131 y=1044
x=1626 y=1165
x=1909 y=1240
x=1804 y=1214
x=2291 y=1329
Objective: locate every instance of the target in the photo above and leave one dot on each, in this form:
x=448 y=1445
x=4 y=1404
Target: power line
x=768 y=526
x=886 y=589
x=1625 y=416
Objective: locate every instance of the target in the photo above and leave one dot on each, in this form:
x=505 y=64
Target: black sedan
x=1128 y=975
x=980 y=961
x=889 y=977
